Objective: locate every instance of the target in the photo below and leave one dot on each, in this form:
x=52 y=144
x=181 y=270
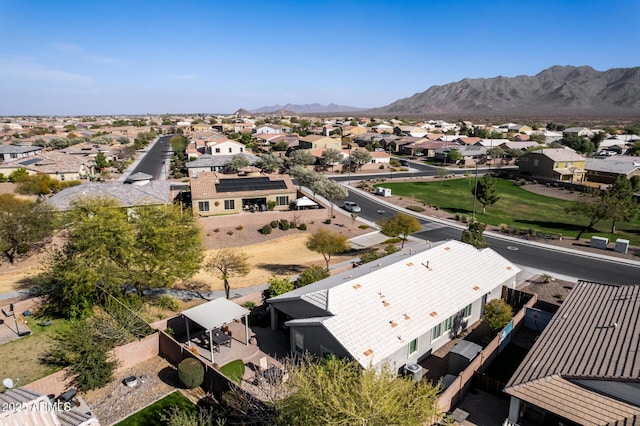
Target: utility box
x=414 y=371
x=461 y=356
x=622 y=246
x=385 y=192
x=599 y=242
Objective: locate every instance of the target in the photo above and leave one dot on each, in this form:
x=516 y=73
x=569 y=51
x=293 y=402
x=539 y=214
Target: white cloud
x=78 y=52
x=24 y=68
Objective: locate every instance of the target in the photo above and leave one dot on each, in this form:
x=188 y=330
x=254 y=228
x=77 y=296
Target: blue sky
x=135 y=57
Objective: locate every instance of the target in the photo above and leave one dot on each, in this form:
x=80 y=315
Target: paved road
x=153 y=161
x=518 y=251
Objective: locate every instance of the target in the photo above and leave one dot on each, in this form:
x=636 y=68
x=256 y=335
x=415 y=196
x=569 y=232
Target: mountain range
x=306 y=109
x=556 y=91
x=559 y=90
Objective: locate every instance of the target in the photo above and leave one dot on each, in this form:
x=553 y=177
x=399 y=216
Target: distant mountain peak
x=558 y=90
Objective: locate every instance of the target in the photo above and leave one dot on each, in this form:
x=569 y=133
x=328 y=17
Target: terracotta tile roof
x=592 y=342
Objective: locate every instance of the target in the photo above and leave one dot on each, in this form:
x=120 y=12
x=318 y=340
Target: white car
x=352 y=207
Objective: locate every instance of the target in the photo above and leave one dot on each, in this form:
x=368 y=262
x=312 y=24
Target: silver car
x=352 y=207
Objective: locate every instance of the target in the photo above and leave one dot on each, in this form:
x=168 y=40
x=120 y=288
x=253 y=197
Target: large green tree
x=270 y=163
x=591 y=206
x=485 y=191
x=24 y=226
x=620 y=203
x=327 y=243
x=474 y=235
x=300 y=158
x=228 y=263
x=339 y=392
x=329 y=189
x=400 y=225
x=109 y=248
x=237 y=162
x=497 y=314
x=359 y=158
x=330 y=157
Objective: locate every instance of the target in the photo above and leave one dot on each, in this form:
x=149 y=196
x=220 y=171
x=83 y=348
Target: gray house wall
x=316 y=337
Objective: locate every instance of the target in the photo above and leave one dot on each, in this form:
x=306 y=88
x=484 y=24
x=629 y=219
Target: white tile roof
x=415 y=298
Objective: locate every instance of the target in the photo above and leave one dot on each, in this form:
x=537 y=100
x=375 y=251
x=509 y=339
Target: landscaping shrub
x=390 y=249
x=381 y=167
x=521 y=182
x=464 y=218
x=239 y=228
x=216 y=230
x=363 y=226
x=229 y=232
x=416 y=208
x=249 y=305
x=302 y=227
x=497 y=314
x=458 y=215
x=167 y=302
x=327 y=221
x=271 y=205
x=504 y=227
x=310 y=275
x=191 y=372
x=284 y=224
x=392 y=240
x=370 y=256
x=293 y=225
x=273 y=224
x=265 y=230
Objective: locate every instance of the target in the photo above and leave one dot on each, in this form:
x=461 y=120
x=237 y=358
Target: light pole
x=475 y=188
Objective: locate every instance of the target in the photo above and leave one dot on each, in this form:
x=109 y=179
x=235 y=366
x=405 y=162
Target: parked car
x=352 y=207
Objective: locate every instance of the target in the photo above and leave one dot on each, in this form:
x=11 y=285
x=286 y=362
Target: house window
x=413 y=346
x=467 y=311
x=217 y=150
x=283 y=200
x=62 y=176
x=447 y=324
x=298 y=342
x=229 y=204
x=13 y=155
x=325 y=353
x=203 y=206
x=535 y=162
x=436 y=332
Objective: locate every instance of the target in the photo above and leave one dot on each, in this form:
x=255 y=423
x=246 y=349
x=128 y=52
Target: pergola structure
x=215 y=314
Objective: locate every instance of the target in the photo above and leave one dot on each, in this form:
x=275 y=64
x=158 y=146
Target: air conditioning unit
x=414 y=371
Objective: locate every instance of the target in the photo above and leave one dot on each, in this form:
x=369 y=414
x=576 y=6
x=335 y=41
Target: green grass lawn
x=516 y=207
x=150 y=415
x=21 y=357
x=234 y=370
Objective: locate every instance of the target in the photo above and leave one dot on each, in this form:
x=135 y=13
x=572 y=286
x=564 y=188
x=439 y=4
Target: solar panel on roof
x=249 y=184
x=30 y=161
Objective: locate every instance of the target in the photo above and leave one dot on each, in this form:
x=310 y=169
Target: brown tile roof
x=593 y=339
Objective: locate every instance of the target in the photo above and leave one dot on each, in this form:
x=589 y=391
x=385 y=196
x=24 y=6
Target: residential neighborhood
x=417 y=308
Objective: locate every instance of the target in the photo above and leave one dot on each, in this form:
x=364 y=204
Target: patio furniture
x=221 y=339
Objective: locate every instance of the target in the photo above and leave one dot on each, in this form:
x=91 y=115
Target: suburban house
x=577 y=131
x=55 y=164
x=606 y=171
x=396 y=310
x=14 y=152
x=224 y=146
x=315 y=142
x=585 y=366
x=426 y=147
x=416 y=132
x=271 y=129
x=218 y=194
x=557 y=164
x=215 y=163
x=471 y=154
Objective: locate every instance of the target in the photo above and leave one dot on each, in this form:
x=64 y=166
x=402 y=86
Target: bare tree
x=228 y=263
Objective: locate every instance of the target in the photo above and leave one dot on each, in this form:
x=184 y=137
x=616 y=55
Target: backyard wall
x=214 y=381
x=461 y=385
x=127 y=356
